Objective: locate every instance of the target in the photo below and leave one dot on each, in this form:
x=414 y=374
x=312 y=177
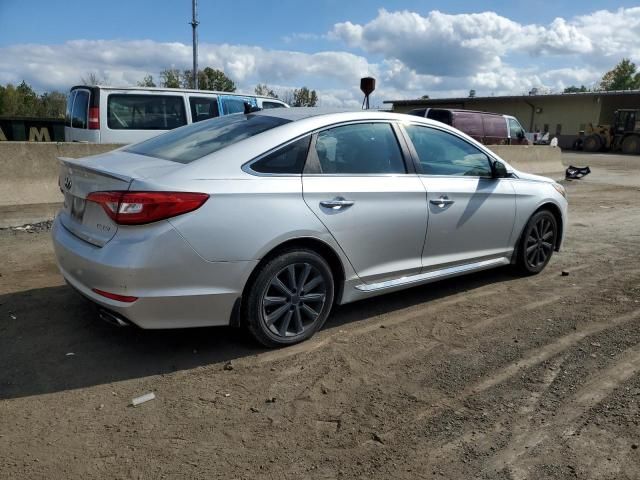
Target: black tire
x=593 y=143
x=537 y=242
x=631 y=145
x=275 y=310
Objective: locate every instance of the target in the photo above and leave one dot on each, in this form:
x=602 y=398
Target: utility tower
x=194 y=25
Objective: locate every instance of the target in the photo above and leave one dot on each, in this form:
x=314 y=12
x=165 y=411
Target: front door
x=471 y=214
x=356 y=183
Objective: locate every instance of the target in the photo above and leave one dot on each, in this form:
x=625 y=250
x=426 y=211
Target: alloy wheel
x=293 y=300
x=540 y=240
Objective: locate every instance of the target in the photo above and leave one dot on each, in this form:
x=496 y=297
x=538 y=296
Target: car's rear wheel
x=290 y=298
x=537 y=242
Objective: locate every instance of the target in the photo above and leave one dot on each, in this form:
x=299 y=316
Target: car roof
x=295 y=114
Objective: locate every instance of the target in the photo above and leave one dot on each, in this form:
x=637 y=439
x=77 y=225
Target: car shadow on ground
x=51 y=339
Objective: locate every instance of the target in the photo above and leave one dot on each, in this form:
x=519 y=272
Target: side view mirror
x=499 y=170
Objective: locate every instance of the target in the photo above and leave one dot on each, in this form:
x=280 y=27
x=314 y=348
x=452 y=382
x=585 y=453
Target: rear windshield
x=194 y=141
x=145 y=112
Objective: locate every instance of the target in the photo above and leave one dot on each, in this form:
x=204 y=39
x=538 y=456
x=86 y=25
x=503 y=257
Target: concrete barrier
x=29 y=190
x=29 y=173
x=537 y=159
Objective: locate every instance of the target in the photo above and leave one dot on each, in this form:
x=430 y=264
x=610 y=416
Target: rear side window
x=145 y=112
x=362 y=148
x=194 y=141
x=441 y=153
x=287 y=160
x=80 y=109
x=203 y=108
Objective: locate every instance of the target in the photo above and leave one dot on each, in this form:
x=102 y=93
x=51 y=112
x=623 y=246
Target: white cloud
x=435 y=54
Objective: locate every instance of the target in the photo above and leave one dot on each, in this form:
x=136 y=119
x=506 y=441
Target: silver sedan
x=268 y=219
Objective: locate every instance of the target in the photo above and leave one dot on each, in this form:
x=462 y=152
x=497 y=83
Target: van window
x=266 y=104
x=441 y=153
x=145 y=112
x=233 y=105
x=67 y=116
x=438 y=115
x=287 y=160
x=80 y=109
x=203 y=108
x=418 y=112
x=515 y=128
x=194 y=141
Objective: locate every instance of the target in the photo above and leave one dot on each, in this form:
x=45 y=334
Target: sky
x=412 y=48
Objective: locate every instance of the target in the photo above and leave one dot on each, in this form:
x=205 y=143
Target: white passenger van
x=99 y=114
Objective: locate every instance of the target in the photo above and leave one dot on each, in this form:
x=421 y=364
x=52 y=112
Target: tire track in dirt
x=564 y=423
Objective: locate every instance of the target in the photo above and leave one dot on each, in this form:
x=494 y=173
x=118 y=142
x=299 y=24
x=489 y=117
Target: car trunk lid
x=108 y=172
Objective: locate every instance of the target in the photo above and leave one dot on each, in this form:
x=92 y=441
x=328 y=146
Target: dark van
x=485 y=127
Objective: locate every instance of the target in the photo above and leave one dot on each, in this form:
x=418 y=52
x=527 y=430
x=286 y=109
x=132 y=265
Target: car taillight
x=94 y=118
x=138 y=208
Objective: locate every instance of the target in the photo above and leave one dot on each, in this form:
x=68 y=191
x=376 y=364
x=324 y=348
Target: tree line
x=23 y=101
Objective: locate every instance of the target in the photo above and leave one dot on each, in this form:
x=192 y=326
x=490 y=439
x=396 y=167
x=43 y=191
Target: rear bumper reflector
x=115 y=296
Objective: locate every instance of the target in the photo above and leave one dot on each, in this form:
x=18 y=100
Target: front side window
x=80 y=109
x=145 y=112
x=362 y=148
x=441 y=153
x=189 y=143
x=287 y=160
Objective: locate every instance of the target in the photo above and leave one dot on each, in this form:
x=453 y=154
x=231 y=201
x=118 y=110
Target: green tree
x=147 y=81
x=574 y=89
x=209 y=79
x=622 y=77
x=52 y=104
x=304 y=98
x=265 y=91
x=171 y=78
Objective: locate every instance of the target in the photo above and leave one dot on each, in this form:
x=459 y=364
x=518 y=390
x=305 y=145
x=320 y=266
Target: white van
x=100 y=114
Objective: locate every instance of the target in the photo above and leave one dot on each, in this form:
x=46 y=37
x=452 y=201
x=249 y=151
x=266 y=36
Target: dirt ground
x=489 y=376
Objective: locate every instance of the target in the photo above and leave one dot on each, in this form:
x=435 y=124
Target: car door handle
x=442 y=202
x=337 y=203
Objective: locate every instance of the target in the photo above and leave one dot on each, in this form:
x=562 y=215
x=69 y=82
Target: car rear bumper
x=175 y=287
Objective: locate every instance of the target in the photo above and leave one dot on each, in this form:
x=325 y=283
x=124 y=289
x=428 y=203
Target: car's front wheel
x=537 y=242
x=290 y=298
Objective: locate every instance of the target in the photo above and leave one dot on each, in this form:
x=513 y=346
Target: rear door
x=357 y=184
x=471 y=214
x=79 y=121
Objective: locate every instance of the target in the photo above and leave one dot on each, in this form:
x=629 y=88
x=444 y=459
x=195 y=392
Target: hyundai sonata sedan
x=268 y=219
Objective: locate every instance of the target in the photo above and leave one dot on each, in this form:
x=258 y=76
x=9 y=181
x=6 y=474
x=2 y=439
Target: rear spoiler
x=77 y=164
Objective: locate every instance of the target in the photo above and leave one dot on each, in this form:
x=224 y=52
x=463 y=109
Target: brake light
x=115 y=296
x=94 y=118
x=138 y=208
